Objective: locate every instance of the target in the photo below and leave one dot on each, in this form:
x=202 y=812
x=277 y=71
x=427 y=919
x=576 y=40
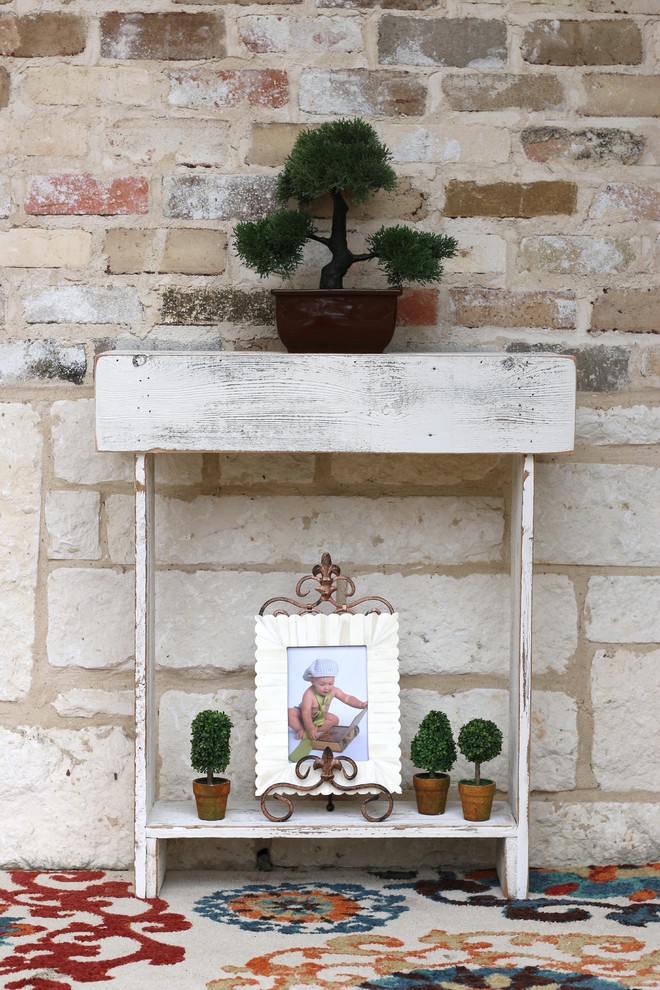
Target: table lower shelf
x=310 y=819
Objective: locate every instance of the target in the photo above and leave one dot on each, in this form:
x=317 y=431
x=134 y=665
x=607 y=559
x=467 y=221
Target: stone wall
x=130 y=143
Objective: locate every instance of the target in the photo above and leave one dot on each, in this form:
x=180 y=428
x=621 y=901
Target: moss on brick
x=599 y=369
x=206 y=307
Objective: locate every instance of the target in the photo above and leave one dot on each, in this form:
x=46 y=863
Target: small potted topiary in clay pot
x=209 y=754
x=433 y=748
x=479 y=741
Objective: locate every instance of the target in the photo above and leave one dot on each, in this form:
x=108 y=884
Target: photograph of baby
x=327 y=701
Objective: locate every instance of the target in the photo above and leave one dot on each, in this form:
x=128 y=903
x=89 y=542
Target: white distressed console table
x=399 y=403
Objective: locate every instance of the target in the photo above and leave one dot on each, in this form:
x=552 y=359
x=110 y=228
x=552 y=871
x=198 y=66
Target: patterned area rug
x=585 y=929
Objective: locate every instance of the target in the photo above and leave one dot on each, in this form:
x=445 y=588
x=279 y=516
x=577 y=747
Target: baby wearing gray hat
x=311 y=719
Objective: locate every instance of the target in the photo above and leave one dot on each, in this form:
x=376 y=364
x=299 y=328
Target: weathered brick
x=186 y=142
x=300 y=34
x=73 y=85
x=599 y=369
x=199 y=307
x=21 y=453
x=625 y=696
x=622 y=201
x=614 y=95
x=362 y=91
x=5 y=87
x=72 y=520
x=510 y=199
x=578 y=255
x=230 y=88
x=614 y=7
x=172 y=36
x=5 y=197
x=29 y=247
x=491 y=91
x=592 y=145
x=81 y=304
x=371 y=4
x=419 y=530
x=627 y=310
x=564 y=42
x=598 y=514
x=187 y=252
x=128 y=251
x=89 y=618
x=478 y=253
x=194 y=252
x=271 y=143
x=477 y=307
x=86 y=195
x=41 y=361
x=418 y=308
x=618 y=425
x=219 y=197
x=42 y=136
x=445 y=143
x=623 y=609
x=42 y=35
x=457 y=42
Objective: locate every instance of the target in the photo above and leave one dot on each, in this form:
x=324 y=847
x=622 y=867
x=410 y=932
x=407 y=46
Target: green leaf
x=411 y=255
x=433 y=747
x=274 y=244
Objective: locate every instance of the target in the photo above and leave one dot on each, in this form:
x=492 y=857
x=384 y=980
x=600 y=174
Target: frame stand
x=328 y=764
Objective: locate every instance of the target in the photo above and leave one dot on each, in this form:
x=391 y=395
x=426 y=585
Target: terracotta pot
x=211 y=799
x=476 y=799
x=431 y=793
x=335 y=321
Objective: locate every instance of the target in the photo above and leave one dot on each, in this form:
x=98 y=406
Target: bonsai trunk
x=332 y=274
x=209 y=777
x=477 y=773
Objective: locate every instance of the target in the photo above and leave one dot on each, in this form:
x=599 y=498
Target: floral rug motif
x=592 y=928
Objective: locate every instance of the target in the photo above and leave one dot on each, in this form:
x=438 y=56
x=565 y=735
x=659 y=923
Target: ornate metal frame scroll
x=326 y=622
x=329 y=583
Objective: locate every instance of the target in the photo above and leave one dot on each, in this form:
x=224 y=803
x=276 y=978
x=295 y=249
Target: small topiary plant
x=479 y=740
x=209 y=743
x=433 y=748
x=335 y=158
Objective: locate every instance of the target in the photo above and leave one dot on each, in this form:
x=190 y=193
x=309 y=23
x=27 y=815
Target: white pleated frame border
x=380 y=635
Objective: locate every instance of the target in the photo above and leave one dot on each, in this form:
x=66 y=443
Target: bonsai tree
x=433 y=748
x=210 y=750
x=479 y=740
x=334 y=158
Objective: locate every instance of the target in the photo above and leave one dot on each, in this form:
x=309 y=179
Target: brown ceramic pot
x=477 y=799
x=431 y=793
x=211 y=799
x=335 y=321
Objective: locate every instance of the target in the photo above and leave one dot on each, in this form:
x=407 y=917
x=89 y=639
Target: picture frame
x=360 y=654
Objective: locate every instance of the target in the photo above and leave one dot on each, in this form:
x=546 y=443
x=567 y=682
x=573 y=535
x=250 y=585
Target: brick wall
x=130 y=144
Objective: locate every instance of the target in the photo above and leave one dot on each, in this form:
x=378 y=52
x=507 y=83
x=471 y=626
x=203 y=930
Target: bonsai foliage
x=210 y=750
x=337 y=157
x=433 y=748
x=479 y=741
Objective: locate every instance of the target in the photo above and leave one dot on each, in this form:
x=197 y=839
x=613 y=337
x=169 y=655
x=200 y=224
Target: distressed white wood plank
x=178 y=819
x=522 y=548
x=145 y=725
x=417 y=403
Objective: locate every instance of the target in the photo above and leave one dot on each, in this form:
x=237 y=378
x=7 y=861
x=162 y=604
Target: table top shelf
x=377 y=403
x=310 y=819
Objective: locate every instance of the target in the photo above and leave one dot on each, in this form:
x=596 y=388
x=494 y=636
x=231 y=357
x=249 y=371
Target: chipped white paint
x=415 y=403
x=459 y=403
